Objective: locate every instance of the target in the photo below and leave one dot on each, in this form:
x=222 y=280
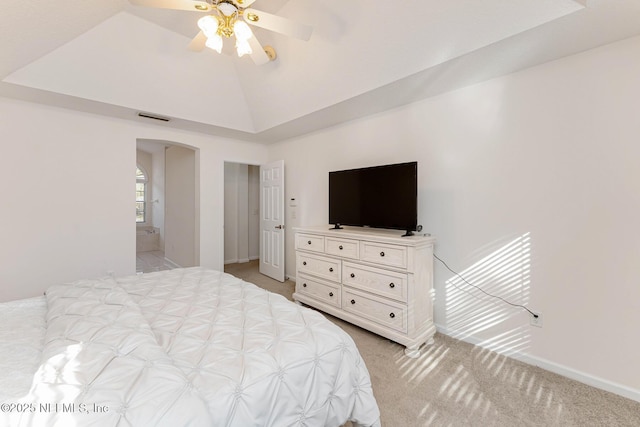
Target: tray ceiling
x=117 y=59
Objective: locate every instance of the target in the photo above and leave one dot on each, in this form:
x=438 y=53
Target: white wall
x=66 y=182
x=531 y=184
x=67 y=199
x=181 y=214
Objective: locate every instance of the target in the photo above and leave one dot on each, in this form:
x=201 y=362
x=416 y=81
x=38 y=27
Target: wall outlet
x=536 y=321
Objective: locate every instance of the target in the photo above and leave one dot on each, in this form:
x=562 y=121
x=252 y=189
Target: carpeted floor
x=457 y=384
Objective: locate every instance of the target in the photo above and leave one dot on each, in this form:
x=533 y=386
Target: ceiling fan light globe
x=243 y=48
x=214 y=43
x=242 y=30
x=209 y=25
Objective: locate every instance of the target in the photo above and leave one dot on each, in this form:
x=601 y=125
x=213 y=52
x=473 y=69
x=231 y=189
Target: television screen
x=380 y=196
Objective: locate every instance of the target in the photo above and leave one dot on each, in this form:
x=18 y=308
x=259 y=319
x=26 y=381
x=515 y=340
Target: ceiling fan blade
x=192 y=5
x=258 y=55
x=198 y=42
x=278 y=24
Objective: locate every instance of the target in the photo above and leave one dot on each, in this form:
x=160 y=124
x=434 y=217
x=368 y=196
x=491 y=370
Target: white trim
x=239 y=260
x=580 y=376
x=565 y=371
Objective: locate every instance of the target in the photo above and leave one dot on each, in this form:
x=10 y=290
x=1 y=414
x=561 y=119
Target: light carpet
x=454 y=383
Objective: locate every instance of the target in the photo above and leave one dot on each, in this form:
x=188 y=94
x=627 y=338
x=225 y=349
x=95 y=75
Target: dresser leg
x=412 y=352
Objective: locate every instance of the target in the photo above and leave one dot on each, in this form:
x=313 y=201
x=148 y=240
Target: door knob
x=279 y=227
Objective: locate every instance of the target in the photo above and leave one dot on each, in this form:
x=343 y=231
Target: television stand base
x=336 y=227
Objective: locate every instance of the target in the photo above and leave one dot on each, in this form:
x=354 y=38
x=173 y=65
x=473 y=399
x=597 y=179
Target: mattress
x=180 y=347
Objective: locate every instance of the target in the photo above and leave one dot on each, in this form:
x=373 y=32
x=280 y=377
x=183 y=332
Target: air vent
x=149 y=116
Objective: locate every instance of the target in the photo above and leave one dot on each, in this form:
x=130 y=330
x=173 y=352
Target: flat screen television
x=379 y=196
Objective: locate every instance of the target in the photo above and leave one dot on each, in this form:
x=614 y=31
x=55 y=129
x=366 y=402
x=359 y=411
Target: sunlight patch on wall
x=478 y=300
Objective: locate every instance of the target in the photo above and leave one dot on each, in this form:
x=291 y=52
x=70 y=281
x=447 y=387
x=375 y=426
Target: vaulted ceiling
x=110 y=57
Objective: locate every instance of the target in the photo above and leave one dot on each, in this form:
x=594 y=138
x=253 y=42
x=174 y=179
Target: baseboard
x=582 y=377
x=237 y=261
x=556 y=368
x=241 y=260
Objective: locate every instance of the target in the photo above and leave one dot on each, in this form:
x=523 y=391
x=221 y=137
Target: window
x=141 y=195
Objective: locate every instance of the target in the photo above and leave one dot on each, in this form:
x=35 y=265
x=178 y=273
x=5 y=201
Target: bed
x=184 y=347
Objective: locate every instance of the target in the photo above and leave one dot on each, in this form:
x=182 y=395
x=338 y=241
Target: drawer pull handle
x=330 y=270
x=340 y=247
x=381 y=253
x=392 y=315
x=308 y=242
x=391 y=285
x=304 y=285
x=330 y=294
x=304 y=262
x=353 y=275
x=353 y=301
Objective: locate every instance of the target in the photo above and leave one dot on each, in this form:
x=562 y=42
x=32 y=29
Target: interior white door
x=272 y=220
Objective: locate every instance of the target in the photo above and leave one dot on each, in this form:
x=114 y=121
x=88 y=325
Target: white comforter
x=191 y=347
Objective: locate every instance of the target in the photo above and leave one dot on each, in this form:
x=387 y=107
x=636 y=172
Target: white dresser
x=372 y=278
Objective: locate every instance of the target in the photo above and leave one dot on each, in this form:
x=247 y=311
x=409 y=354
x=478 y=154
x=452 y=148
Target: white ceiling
x=112 y=58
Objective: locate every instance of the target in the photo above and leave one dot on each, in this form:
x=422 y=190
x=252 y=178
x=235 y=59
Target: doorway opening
x=241 y=213
x=254 y=226
x=167 y=214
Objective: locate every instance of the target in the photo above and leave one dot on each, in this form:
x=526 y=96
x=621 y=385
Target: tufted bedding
x=190 y=347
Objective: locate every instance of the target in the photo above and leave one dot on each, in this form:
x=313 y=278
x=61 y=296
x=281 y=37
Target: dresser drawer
x=387 y=313
x=319 y=266
x=379 y=253
x=376 y=280
x=310 y=242
x=345 y=248
x=319 y=290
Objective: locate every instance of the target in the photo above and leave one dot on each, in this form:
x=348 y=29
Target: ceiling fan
x=227 y=18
